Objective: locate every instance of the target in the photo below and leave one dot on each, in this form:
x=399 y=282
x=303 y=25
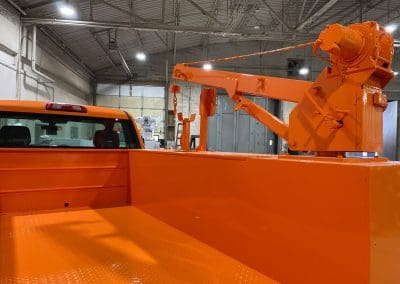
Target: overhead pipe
x=33 y=57
x=16 y=7
x=18 y=80
x=246 y=34
x=125 y=65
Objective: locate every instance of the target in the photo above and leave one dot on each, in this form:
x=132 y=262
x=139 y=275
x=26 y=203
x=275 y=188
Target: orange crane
x=340 y=112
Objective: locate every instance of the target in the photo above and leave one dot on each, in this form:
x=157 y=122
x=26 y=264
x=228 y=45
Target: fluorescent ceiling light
x=141 y=56
x=207 y=66
x=391 y=28
x=304 y=71
x=67 y=10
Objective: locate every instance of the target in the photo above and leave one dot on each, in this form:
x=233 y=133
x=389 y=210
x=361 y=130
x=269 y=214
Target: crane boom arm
x=340 y=112
x=237 y=84
x=256 y=85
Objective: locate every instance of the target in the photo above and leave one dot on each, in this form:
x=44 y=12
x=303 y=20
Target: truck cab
x=69 y=180
x=26 y=124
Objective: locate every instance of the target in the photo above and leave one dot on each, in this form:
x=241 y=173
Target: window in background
x=139 y=101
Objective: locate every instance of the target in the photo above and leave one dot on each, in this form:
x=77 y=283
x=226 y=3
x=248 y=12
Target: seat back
x=14 y=136
x=106 y=139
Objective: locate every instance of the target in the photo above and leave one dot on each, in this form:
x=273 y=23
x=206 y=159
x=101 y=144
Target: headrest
x=14 y=136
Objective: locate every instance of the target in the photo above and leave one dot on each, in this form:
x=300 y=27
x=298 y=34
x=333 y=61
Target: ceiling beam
x=125 y=65
x=345 y=14
x=367 y=9
x=275 y=14
x=103 y=48
x=139 y=39
x=16 y=7
x=311 y=9
x=110 y=59
x=317 y=14
x=205 y=13
x=124 y=11
x=161 y=39
x=236 y=16
x=41 y=4
x=63 y=46
x=301 y=11
x=243 y=34
x=205 y=38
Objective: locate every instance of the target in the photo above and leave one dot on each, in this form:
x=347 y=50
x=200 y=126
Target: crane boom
x=340 y=112
x=232 y=83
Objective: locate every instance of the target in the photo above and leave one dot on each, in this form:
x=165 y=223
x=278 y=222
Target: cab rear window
x=21 y=130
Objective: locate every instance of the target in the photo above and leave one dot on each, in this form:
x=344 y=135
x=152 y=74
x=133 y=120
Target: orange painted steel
x=175 y=89
x=42 y=179
x=340 y=112
x=237 y=83
x=296 y=219
x=113 y=245
x=304 y=230
x=40 y=107
x=208 y=103
x=185 y=135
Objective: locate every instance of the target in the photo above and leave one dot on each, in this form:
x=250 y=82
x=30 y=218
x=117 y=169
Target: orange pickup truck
x=82 y=202
x=66 y=211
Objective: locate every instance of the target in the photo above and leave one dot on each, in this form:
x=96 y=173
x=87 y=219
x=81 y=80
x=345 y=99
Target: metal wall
x=19 y=82
x=390 y=131
x=139 y=101
x=230 y=131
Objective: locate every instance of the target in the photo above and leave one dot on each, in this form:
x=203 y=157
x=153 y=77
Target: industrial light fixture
x=141 y=56
x=67 y=10
x=391 y=28
x=207 y=66
x=304 y=71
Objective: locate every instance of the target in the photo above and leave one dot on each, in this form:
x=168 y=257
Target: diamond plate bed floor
x=109 y=245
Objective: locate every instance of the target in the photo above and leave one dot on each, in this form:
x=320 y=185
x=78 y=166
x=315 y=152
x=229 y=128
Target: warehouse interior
x=200 y=141
x=120 y=54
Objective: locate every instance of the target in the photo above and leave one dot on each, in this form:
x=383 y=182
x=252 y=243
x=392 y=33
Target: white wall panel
x=7 y=76
x=107 y=101
x=131 y=102
x=9 y=27
x=68 y=86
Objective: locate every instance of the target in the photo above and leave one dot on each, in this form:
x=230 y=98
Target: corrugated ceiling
x=233 y=14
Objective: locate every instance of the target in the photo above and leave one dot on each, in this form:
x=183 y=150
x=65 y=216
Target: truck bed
x=109 y=245
x=196 y=217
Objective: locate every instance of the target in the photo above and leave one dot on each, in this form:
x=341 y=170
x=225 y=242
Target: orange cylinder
x=341 y=41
